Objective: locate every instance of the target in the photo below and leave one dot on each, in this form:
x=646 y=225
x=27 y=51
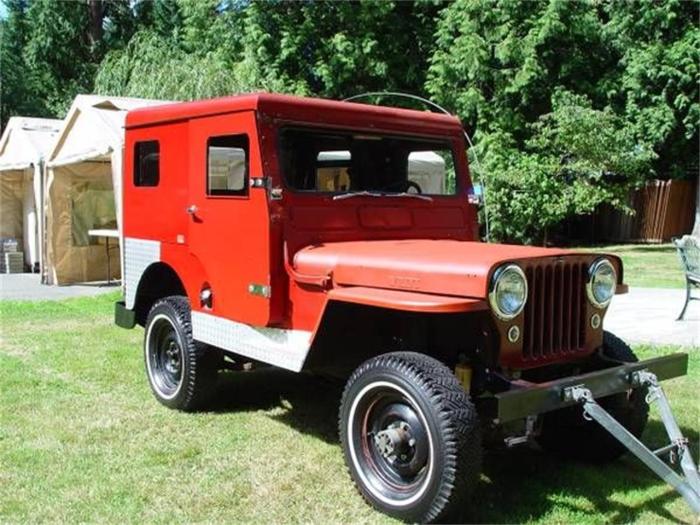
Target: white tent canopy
x=427 y=168
x=83 y=187
x=24 y=145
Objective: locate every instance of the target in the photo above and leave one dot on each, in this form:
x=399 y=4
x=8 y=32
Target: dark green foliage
x=332 y=49
x=576 y=158
x=58 y=53
x=570 y=103
x=17 y=93
x=657 y=90
x=51 y=51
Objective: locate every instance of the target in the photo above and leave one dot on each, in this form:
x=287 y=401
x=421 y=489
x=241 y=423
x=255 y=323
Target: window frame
x=438 y=139
x=137 y=180
x=244 y=192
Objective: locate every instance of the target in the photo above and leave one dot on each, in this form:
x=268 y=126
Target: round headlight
x=602 y=280
x=508 y=291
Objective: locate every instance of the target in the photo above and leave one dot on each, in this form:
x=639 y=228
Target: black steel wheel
x=567 y=433
x=165 y=356
x=411 y=437
x=181 y=371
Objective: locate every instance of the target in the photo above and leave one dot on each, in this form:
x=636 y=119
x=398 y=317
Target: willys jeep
x=342 y=239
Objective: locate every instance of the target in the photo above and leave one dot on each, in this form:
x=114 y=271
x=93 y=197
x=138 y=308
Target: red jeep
x=342 y=239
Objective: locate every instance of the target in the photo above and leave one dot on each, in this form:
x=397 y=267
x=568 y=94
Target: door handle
x=192 y=209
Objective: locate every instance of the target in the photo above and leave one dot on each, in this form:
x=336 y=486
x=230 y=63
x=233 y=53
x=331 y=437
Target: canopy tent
x=23 y=147
x=427 y=168
x=83 y=183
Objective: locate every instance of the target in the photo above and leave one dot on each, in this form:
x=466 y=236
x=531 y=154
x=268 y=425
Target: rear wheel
x=181 y=371
x=567 y=433
x=411 y=437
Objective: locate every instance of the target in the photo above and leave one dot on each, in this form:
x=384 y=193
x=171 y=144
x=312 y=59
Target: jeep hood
x=447 y=267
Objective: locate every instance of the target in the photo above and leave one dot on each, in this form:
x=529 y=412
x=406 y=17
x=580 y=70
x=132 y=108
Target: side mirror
x=475 y=198
x=476 y=195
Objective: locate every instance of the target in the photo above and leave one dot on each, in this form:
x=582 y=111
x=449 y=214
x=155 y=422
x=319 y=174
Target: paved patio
x=648 y=315
x=28 y=287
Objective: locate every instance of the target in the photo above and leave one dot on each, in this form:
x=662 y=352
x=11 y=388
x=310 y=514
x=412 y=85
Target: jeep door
x=228 y=223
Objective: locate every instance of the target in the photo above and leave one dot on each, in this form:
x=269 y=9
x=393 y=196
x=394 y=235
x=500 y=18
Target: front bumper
x=529 y=399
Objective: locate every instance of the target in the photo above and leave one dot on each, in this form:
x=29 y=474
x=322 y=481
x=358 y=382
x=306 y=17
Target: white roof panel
x=26 y=141
x=94 y=127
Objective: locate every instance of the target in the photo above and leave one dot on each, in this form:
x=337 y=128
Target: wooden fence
x=663 y=209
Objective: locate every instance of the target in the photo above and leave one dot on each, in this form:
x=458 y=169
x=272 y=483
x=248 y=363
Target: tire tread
x=458 y=421
x=201 y=359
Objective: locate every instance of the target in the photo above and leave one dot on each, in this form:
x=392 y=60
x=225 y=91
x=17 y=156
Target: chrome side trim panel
x=139 y=254
x=283 y=348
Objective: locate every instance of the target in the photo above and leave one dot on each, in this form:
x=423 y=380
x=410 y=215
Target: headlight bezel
x=493 y=289
x=592 y=271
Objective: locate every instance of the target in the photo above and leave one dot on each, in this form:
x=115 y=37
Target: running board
x=688 y=486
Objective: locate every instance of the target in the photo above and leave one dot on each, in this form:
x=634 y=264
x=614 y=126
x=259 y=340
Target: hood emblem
x=401 y=281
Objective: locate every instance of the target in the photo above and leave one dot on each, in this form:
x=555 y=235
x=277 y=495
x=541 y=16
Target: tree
x=497 y=63
x=332 y=49
x=65 y=43
x=576 y=159
x=337 y=49
x=17 y=90
x=155 y=67
x=657 y=91
x=555 y=92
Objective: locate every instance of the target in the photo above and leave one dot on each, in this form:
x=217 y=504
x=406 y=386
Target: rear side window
x=146 y=163
x=227 y=165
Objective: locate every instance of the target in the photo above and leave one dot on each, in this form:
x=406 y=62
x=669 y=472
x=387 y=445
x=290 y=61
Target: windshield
x=371 y=164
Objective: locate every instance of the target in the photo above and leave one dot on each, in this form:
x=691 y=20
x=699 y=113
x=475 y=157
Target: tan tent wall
x=80 y=197
x=11 y=205
x=18 y=210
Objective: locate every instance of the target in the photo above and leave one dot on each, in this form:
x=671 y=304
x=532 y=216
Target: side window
x=227 y=165
x=146 y=163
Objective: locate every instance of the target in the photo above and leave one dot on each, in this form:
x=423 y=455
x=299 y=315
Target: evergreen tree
x=17 y=91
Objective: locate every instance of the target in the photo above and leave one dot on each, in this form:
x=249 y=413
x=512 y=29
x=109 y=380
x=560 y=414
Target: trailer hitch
x=688 y=486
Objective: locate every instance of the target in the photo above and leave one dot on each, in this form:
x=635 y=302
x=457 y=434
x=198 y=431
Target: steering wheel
x=403 y=186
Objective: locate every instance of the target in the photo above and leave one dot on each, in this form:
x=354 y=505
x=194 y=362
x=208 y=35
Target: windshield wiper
x=411 y=195
x=352 y=194
x=366 y=193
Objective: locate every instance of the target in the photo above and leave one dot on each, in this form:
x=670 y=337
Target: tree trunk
x=696 y=228
x=96 y=18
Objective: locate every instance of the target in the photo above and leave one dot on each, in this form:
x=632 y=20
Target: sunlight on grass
x=82 y=439
x=647 y=265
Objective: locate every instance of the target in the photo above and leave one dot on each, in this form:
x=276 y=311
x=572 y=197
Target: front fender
x=405 y=300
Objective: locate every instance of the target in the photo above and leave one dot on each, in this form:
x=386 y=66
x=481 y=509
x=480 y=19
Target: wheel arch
x=350 y=332
x=159 y=280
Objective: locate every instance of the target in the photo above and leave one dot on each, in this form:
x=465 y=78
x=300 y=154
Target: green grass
x=82 y=439
x=648 y=265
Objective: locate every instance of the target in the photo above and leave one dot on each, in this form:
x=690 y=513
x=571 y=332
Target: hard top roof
x=286 y=107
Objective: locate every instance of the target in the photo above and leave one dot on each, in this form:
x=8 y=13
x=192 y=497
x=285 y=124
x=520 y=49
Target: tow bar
x=688 y=486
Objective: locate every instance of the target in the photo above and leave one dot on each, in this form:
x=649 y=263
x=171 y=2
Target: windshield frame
x=445 y=140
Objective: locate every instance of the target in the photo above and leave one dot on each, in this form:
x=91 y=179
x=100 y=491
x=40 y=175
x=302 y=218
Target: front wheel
x=411 y=437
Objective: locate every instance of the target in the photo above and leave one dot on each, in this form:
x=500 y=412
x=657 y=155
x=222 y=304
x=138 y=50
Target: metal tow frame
x=688 y=486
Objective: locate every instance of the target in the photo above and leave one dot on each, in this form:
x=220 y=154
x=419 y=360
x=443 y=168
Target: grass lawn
x=82 y=439
x=648 y=265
